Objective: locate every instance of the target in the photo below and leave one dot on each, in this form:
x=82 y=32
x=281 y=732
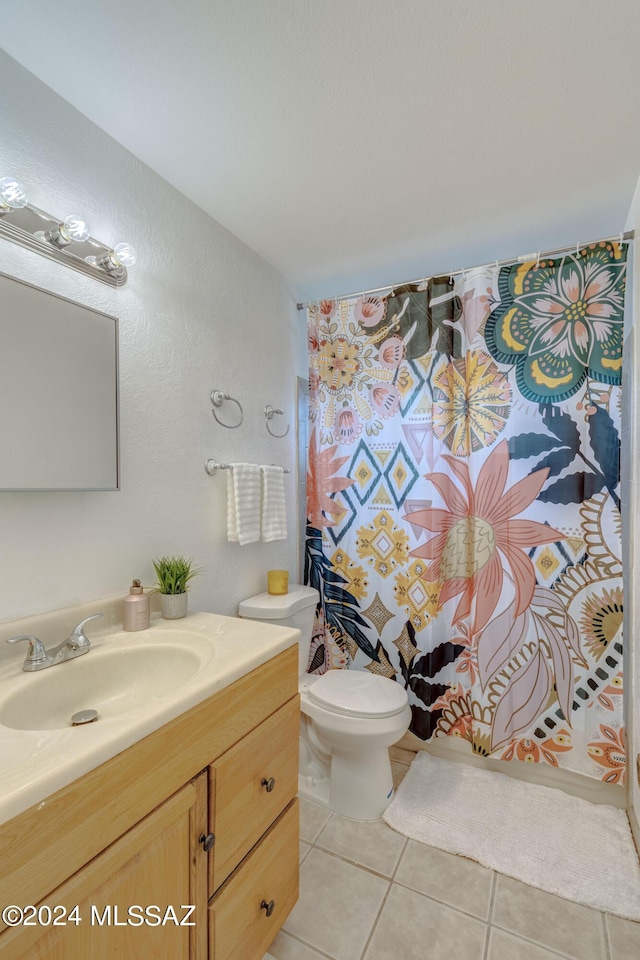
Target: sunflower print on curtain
x=463 y=504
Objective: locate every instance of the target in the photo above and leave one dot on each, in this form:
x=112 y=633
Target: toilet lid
x=355 y=693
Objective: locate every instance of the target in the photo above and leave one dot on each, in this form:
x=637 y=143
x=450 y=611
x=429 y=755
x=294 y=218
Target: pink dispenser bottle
x=136 y=608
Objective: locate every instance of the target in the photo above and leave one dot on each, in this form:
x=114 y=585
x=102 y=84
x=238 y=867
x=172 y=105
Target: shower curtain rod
x=629 y=235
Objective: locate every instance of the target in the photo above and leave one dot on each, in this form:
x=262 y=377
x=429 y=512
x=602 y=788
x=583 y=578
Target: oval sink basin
x=112 y=682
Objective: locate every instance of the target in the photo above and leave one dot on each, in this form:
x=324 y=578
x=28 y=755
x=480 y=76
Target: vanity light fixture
x=68 y=241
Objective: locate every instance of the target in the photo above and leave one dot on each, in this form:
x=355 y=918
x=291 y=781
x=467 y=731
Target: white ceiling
x=354 y=143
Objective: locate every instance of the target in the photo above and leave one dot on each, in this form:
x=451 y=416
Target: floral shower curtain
x=463 y=503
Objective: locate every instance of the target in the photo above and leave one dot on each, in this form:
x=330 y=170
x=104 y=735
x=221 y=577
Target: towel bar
x=212 y=465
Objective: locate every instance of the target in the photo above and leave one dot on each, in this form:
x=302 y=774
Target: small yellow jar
x=277 y=582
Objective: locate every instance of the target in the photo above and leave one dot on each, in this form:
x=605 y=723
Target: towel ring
x=269 y=413
x=217 y=399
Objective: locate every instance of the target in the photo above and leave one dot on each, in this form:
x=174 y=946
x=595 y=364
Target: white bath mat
x=558 y=843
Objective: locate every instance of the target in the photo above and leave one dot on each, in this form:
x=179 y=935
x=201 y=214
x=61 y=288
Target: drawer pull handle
x=207 y=841
x=267 y=907
x=269 y=784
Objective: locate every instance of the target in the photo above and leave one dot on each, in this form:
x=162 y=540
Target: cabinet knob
x=207 y=841
x=269 y=784
x=267 y=907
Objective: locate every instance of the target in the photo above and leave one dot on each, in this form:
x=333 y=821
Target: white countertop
x=36 y=763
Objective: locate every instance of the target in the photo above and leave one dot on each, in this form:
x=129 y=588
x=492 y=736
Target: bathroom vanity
x=199 y=813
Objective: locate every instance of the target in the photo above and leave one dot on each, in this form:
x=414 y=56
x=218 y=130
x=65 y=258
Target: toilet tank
x=297 y=609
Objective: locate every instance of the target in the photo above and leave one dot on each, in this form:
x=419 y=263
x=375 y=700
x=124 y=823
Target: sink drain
x=84 y=716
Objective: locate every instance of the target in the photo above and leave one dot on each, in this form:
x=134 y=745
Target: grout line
x=325 y=824
x=305 y=943
x=487 y=942
x=305 y=854
x=493 y=897
x=607 y=944
x=535 y=943
x=406 y=886
x=353 y=863
x=375 y=922
x=322 y=828
x=492 y=900
x=397 y=866
x=443 y=903
x=385 y=898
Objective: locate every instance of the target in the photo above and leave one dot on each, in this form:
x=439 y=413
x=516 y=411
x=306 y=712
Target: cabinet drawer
x=238 y=925
x=249 y=786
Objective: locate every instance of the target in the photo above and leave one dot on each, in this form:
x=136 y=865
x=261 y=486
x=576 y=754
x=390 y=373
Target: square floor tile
x=370 y=843
x=624 y=938
x=461 y=883
x=504 y=946
x=568 y=927
x=337 y=907
x=313 y=817
x=412 y=927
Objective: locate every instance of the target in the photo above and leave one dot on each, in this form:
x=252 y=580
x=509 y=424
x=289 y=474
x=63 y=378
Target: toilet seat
x=354 y=693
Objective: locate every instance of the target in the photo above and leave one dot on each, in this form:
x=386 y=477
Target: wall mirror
x=58 y=392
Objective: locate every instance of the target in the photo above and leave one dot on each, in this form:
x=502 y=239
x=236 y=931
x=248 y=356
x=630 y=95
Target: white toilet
x=349 y=718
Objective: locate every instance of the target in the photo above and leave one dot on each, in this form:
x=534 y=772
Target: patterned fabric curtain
x=464 y=503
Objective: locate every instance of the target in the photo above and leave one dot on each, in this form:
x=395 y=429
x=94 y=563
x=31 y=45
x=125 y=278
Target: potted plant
x=174 y=574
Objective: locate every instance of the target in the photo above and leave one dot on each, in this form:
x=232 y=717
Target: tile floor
x=368 y=893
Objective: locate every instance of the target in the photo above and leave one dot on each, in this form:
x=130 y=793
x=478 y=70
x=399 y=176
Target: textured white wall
x=200 y=311
x=631 y=522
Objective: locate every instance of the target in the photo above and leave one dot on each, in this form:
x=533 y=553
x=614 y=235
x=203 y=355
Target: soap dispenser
x=136 y=608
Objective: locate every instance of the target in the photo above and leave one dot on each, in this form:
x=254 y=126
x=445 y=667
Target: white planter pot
x=173 y=605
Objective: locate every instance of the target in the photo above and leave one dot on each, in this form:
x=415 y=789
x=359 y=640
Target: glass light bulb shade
x=75 y=229
x=12 y=193
x=124 y=254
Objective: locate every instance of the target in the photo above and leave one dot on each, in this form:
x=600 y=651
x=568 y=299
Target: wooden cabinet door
x=249 y=786
x=248 y=911
x=159 y=862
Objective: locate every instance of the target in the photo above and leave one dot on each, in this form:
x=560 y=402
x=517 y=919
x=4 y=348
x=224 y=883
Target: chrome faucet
x=75 y=645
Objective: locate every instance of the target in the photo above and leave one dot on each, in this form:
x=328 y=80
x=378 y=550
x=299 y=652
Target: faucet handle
x=77 y=637
x=36 y=652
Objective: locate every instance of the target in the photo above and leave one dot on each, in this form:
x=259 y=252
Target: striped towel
x=243 y=503
x=273 y=524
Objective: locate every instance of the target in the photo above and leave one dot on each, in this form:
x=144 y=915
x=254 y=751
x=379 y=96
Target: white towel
x=243 y=503
x=273 y=524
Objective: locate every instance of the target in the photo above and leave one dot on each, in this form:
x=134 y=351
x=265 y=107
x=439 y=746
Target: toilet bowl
x=349 y=718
